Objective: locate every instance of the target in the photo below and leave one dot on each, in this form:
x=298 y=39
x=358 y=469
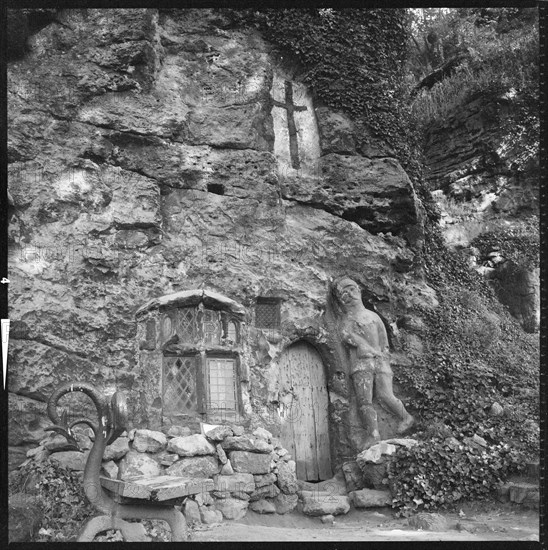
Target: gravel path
x=498 y=524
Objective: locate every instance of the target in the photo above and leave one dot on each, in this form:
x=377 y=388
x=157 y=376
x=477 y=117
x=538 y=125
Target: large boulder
x=210 y=515
x=218 y=433
x=251 y=463
x=195 y=466
x=135 y=464
x=191 y=512
x=287 y=478
x=25 y=514
x=353 y=476
x=285 y=503
x=149 y=441
x=321 y=504
x=246 y=443
x=117 y=449
x=232 y=508
x=267 y=491
x=178 y=431
x=264 y=479
x=191 y=445
x=236 y=482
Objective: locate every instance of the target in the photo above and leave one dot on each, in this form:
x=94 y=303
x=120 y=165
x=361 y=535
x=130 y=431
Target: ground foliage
x=518 y=243
x=476 y=355
x=61 y=494
x=441 y=471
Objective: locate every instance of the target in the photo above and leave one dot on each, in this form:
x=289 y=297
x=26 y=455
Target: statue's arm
x=357 y=341
x=383 y=339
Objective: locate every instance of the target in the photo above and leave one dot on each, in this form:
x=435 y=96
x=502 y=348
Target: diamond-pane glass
x=180 y=385
x=187 y=328
x=221 y=380
x=267 y=315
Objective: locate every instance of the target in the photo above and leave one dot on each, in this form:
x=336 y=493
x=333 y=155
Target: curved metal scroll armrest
x=112 y=415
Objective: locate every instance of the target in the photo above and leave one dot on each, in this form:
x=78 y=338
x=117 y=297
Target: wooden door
x=303 y=411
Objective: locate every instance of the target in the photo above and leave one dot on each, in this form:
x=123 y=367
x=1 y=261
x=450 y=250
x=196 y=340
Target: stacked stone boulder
x=373 y=464
x=235 y=470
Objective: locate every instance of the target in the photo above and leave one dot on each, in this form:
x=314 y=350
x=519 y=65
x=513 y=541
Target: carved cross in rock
x=290 y=107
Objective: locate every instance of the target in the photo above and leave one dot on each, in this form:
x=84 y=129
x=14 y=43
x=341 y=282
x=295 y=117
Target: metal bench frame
x=112 y=415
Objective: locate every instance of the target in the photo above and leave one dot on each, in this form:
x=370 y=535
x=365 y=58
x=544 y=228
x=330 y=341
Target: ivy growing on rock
x=354 y=61
x=439 y=472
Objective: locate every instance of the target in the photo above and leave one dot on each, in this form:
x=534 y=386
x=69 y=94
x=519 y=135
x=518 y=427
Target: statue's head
x=347 y=292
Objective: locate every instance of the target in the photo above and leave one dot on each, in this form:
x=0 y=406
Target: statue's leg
x=385 y=394
x=363 y=386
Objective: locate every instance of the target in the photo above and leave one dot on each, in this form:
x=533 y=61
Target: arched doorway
x=304 y=411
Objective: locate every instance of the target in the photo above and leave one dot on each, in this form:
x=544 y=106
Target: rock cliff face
x=473 y=168
x=145 y=160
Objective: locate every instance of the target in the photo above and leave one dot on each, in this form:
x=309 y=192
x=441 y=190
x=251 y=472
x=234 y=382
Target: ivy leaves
x=354 y=61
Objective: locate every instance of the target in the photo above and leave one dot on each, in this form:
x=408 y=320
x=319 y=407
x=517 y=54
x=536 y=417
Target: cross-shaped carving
x=290 y=107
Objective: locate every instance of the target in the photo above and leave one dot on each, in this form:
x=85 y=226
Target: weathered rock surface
x=73 y=460
x=118 y=449
x=210 y=516
x=135 y=463
x=285 y=503
x=199 y=466
x=237 y=482
x=287 y=478
x=267 y=491
x=246 y=443
x=191 y=445
x=252 y=463
x=323 y=504
x=110 y=469
x=232 y=508
x=376 y=453
x=353 y=476
x=219 y=433
x=178 y=431
x=147 y=166
x=263 y=434
x=191 y=512
x=266 y=479
x=149 y=441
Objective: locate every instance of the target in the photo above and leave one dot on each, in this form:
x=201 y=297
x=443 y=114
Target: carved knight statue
x=363 y=336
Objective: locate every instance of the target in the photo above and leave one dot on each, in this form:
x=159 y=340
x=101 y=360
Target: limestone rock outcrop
x=144 y=159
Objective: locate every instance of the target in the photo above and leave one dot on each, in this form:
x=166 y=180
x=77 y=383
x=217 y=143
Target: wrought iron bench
x=143 y=498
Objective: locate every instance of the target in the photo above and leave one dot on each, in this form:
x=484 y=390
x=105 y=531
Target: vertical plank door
x=303 y=411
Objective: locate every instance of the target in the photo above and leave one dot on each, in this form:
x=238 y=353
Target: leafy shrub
x=60 y=490
x=520 y=243
x=438 y=472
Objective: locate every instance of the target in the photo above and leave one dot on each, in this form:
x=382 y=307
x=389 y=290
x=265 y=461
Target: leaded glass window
x=221 y=385
x=180 y=393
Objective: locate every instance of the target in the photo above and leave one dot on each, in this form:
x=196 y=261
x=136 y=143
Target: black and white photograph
x=272 y=274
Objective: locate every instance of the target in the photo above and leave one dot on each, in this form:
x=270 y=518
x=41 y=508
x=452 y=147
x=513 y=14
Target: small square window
x=267 y=313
